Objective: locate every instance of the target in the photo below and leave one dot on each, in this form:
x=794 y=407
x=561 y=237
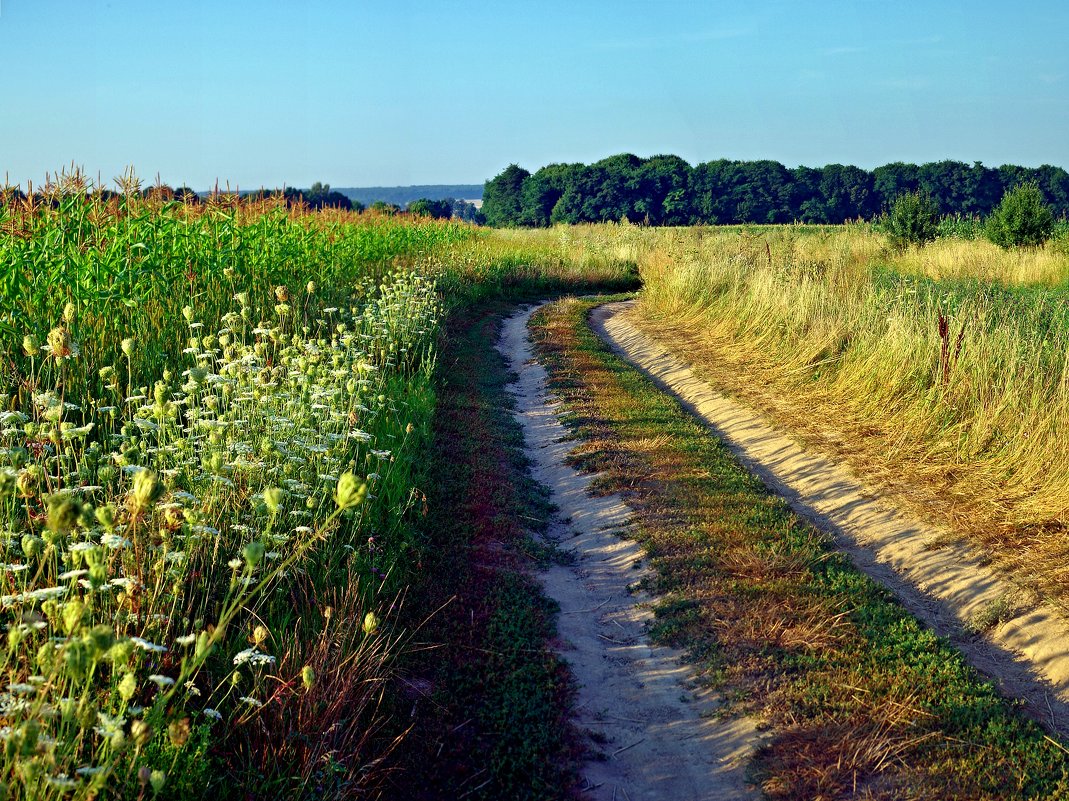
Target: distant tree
x=382 y=207
x=186 y=195
x=503 y=197
x=846 y=193
x=662 y=190
x=708 y=187
x=424 y=207
x=1054 y=184
x=912 y=220
x=158 y=192
x=463 y=210
x=319 y=195
x=543 y=190
x=806 y=202
x=761 y=191
x=892 y=181
x=1021 y=219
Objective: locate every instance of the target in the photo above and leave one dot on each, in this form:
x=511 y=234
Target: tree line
x=666 y=190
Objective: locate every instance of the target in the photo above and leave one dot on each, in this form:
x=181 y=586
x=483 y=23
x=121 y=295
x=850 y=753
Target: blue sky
x=361 y=93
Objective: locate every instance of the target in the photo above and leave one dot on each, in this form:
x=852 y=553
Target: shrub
x=1021 y=219
x=912 y=220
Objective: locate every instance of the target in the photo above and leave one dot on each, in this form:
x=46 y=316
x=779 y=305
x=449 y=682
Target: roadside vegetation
x=216 y=425
x=939 y=373
x=860 y=700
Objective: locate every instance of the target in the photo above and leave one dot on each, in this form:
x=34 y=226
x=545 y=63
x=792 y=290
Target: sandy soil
x=949 y=587
x=652 y=726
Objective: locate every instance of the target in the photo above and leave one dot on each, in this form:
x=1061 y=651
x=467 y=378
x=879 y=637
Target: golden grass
x=838 y=337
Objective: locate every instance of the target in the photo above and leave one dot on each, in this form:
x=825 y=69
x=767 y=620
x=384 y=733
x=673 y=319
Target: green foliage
x=503 y=197
x=912 y=220
x=665 y=190
x=1022 y=219
x=425 y=207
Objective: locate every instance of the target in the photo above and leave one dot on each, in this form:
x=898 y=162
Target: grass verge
x=489 y=698
x=860 y=700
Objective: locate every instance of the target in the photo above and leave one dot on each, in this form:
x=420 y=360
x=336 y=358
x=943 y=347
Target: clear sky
x=404 y=92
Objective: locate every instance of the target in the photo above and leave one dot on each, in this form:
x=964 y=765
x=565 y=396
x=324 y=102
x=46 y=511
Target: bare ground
x=653 y=732
x=948 y=586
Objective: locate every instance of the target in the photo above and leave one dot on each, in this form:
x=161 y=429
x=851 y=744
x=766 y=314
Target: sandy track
x=638 y=702
x=946 y=586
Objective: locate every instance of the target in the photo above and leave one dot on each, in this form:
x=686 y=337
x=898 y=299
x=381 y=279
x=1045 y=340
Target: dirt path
x=949 y=587
x=638 y=702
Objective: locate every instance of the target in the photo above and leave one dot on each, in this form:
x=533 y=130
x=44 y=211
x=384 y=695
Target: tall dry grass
x=943 y=372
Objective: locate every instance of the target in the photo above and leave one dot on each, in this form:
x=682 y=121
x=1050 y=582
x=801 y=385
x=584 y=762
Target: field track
x=637 y=702
x=947 y=586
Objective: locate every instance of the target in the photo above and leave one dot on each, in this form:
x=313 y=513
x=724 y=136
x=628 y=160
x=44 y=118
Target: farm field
x=269 y=527
x=214 y=425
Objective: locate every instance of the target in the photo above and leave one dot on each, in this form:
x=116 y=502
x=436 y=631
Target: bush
x=1021 y=219
x=912 y=220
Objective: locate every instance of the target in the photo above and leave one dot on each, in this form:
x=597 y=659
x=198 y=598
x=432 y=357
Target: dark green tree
x=1022 y=219
x=503 y=197
x=542 y=191
x=912 y=220
x=893 y=180
x=425 y=207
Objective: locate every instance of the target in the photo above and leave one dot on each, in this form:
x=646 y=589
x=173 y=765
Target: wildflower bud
x=8 y=480
x=128 y=346
x=253 y=553
x=273 y=499
x=308 y=677
x=198 y=374
x=242 y=298
x=187 y=312
x=409 y=428
x=73 y=612
x=328 y=613
x=143 y=775
x=259 y=634
x=350 y=491
x=204 y=645
x=105 y=515
x=31 y=346
x=127 y=687
x=158 y=780
x=59 y=339
x=146 y=490
x=371 y=623
x=120 y=652
x=282 y=293
x=178 y=732
x=63 y=512
x=32 y=546
x=235 y=678
x=28 y=480
x=141 y=732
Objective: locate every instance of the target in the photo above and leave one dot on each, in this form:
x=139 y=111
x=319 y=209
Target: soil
x=653 y=732
x=1016 y=640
